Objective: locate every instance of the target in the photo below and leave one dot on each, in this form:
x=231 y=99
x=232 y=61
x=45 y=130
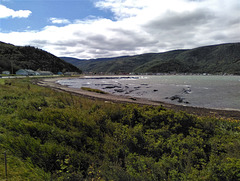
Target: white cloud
x=140 y=26
x=6 y=12
x=59 y=21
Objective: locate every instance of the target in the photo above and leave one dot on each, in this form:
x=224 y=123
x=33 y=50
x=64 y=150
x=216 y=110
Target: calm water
x=221 y=92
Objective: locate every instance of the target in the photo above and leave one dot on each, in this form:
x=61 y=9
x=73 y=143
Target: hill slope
x=224 y=58
x=18 y=57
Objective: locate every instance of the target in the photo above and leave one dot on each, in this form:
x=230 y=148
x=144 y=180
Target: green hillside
x=13 y=58
x=215 y=59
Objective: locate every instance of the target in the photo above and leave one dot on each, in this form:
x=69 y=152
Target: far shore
x=51 y=83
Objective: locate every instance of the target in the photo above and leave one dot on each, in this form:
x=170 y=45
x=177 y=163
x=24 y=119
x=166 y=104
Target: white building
x=6 y=72
x=25 y=72
x=44 y=73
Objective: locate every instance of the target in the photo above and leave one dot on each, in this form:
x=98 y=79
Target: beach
x=108 y=98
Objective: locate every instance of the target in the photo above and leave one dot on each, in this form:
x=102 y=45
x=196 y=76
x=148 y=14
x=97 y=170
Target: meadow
x=49 y=135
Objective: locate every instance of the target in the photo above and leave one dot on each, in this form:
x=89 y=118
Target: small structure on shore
x=25 y=72
x=29 y=72
x=6 y=72
x=71 y=73
x=44 y=73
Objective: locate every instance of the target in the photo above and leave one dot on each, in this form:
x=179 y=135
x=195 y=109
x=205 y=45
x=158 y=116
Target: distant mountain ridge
x=214 y=59
x=13 y=58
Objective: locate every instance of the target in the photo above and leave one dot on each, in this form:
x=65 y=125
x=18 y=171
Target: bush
x=64 y=137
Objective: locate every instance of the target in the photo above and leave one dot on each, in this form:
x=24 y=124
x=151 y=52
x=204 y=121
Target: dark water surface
x=221 y=92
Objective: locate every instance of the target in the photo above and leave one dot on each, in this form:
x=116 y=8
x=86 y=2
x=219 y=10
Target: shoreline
x=220 y=113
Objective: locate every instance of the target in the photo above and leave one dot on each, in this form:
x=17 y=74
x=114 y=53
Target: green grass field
x=2 y=81
x=49 y=135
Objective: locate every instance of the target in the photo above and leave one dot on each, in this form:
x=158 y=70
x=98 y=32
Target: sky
x=87 y=29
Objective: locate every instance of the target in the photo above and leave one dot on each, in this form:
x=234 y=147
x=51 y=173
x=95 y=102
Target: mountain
x=73 y=61
x=215 y=59
x=13 y=58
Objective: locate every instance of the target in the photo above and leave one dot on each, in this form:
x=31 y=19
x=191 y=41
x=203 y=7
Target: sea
x=207 y=91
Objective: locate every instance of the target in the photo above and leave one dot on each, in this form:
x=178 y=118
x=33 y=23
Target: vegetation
x=13 y=58
x=216 y=59
x=53 y=135
x=93 y=90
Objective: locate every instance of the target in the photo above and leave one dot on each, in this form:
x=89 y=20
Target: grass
x=51 y=135
x=93 y=90
x=2 y=81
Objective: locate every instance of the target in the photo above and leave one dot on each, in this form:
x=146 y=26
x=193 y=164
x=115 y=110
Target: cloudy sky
x=106 y=28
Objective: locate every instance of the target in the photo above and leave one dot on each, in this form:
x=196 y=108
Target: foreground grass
x=2 y=81
x=56 y=136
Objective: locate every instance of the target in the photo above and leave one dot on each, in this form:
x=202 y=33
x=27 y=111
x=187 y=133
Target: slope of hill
x=224 y=58
x=13 y=58
x=71 y=60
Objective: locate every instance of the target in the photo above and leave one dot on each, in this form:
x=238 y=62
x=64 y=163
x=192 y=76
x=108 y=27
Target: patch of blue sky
x=44 y=10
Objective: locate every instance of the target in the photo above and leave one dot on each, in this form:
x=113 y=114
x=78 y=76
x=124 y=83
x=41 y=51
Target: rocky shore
x=51 y=83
